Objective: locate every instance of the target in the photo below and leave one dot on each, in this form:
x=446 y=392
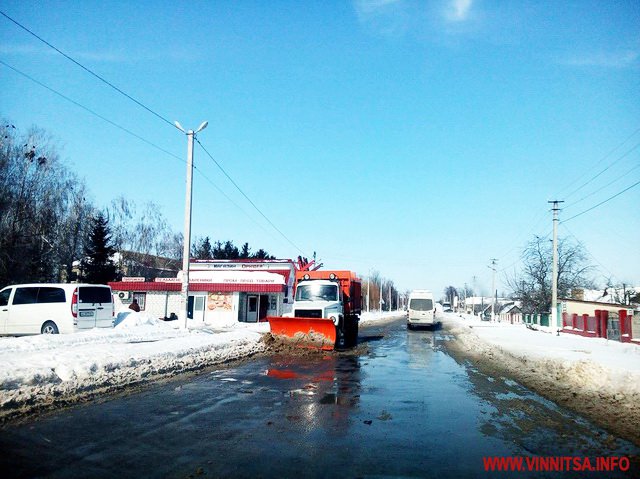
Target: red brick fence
x=598 y=326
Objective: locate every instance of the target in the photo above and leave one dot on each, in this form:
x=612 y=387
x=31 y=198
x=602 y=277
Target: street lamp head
x=202 y=126
x=179 y=126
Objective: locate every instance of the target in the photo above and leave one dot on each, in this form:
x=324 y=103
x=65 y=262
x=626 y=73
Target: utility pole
x=368 y=297
x=465 y=297
x=493 y=287
x=381 y=300
x=553 y=322
x=184 y=295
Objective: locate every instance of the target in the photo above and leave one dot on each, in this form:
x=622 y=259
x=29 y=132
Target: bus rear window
x=421 y=304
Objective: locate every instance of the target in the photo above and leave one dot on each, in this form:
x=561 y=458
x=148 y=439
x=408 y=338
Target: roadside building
x=510 y=313
x=600 y=319
x=220 y=291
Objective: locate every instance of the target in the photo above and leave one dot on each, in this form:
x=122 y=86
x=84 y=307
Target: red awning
x=208 y=287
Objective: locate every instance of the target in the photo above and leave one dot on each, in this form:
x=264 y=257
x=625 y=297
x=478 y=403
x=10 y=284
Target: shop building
x=220 y=291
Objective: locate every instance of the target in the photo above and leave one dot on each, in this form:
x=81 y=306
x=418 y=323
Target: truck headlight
x=335 y=318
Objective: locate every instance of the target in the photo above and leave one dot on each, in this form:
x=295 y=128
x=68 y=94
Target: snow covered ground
x=593 y=363
x=41 y=370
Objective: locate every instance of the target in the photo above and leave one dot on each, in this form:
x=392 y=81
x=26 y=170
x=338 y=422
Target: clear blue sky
x=416 y=138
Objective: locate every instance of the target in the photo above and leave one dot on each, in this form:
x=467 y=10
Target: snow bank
x=39 y=370
x=589 y=363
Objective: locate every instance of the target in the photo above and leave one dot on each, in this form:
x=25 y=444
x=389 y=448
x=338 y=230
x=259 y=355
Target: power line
x=88 y=70
x=89 y=110
x=248 y=199
x=605 y=186
x=602 y=171
x=602 y=159
x=229 y=199
x=602 y=202
x=129 y=132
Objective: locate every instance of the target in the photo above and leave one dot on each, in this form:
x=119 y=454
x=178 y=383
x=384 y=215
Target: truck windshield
x=421 y=304
x=317 y=292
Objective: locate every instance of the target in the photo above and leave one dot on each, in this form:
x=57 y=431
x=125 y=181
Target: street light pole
x=553 y=320
x=184 y=295
x=493 y=287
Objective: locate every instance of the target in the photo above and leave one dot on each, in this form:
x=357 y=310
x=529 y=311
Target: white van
x=421 y=310
x=54 y=308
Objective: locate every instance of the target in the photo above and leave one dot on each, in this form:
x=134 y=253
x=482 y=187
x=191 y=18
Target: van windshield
x=95 y=294
x=317 y=292
x=421 y=304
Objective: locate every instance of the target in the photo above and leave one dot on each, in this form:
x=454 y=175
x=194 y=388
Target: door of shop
x=252 y=308
x=195 y=306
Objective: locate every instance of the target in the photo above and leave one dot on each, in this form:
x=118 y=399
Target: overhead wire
x=88 y=70
x=633 y=148
x=620 y=145
x=602 y=202
x=248 y=199
x=129 y=132
x=142 y=105
x=92 y=112
x=624 y=175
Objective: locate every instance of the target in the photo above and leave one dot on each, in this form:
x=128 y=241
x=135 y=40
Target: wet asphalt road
x=398 y=407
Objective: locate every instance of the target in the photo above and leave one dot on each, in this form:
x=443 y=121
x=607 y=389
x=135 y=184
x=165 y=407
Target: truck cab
x=318 y=298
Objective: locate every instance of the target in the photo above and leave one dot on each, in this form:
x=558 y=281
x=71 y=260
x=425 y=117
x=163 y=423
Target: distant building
x=510 y=313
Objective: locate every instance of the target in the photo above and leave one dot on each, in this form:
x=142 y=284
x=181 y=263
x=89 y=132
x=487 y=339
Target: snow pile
x=594 y=364
x=43 y=370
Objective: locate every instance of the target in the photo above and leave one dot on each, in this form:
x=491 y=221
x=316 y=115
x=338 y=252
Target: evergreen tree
x=97 y=265
x=202 y=249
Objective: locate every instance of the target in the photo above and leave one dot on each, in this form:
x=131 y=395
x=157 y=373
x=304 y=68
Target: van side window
x=51 y=295
x=4 y=297
x=26 y=296
x=95 y=294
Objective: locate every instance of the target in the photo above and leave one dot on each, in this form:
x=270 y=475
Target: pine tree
x=97 y=265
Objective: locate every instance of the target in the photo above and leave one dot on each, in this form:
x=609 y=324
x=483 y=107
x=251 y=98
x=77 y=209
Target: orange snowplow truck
x=326 y=310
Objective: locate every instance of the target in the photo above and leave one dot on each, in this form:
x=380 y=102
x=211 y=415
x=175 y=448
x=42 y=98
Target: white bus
x=421 y=309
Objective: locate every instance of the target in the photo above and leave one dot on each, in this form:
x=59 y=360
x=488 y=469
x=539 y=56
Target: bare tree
x=143 y=238
x=532 y=285
x=38 y=205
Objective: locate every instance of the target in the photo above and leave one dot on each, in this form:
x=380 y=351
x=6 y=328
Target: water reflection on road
x=397 y=406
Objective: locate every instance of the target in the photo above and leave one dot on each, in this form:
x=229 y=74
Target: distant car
x=447 y=310
x=52 y=308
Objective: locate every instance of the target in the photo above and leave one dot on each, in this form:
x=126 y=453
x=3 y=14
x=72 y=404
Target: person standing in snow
x=134 y=305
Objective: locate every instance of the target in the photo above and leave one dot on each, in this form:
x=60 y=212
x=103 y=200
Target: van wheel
x=49 y=328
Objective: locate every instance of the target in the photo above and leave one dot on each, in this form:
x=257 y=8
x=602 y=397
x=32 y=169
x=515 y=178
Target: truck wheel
x=352 y=332
x=49 y=328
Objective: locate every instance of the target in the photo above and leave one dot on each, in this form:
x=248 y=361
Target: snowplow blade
x=307 y=332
